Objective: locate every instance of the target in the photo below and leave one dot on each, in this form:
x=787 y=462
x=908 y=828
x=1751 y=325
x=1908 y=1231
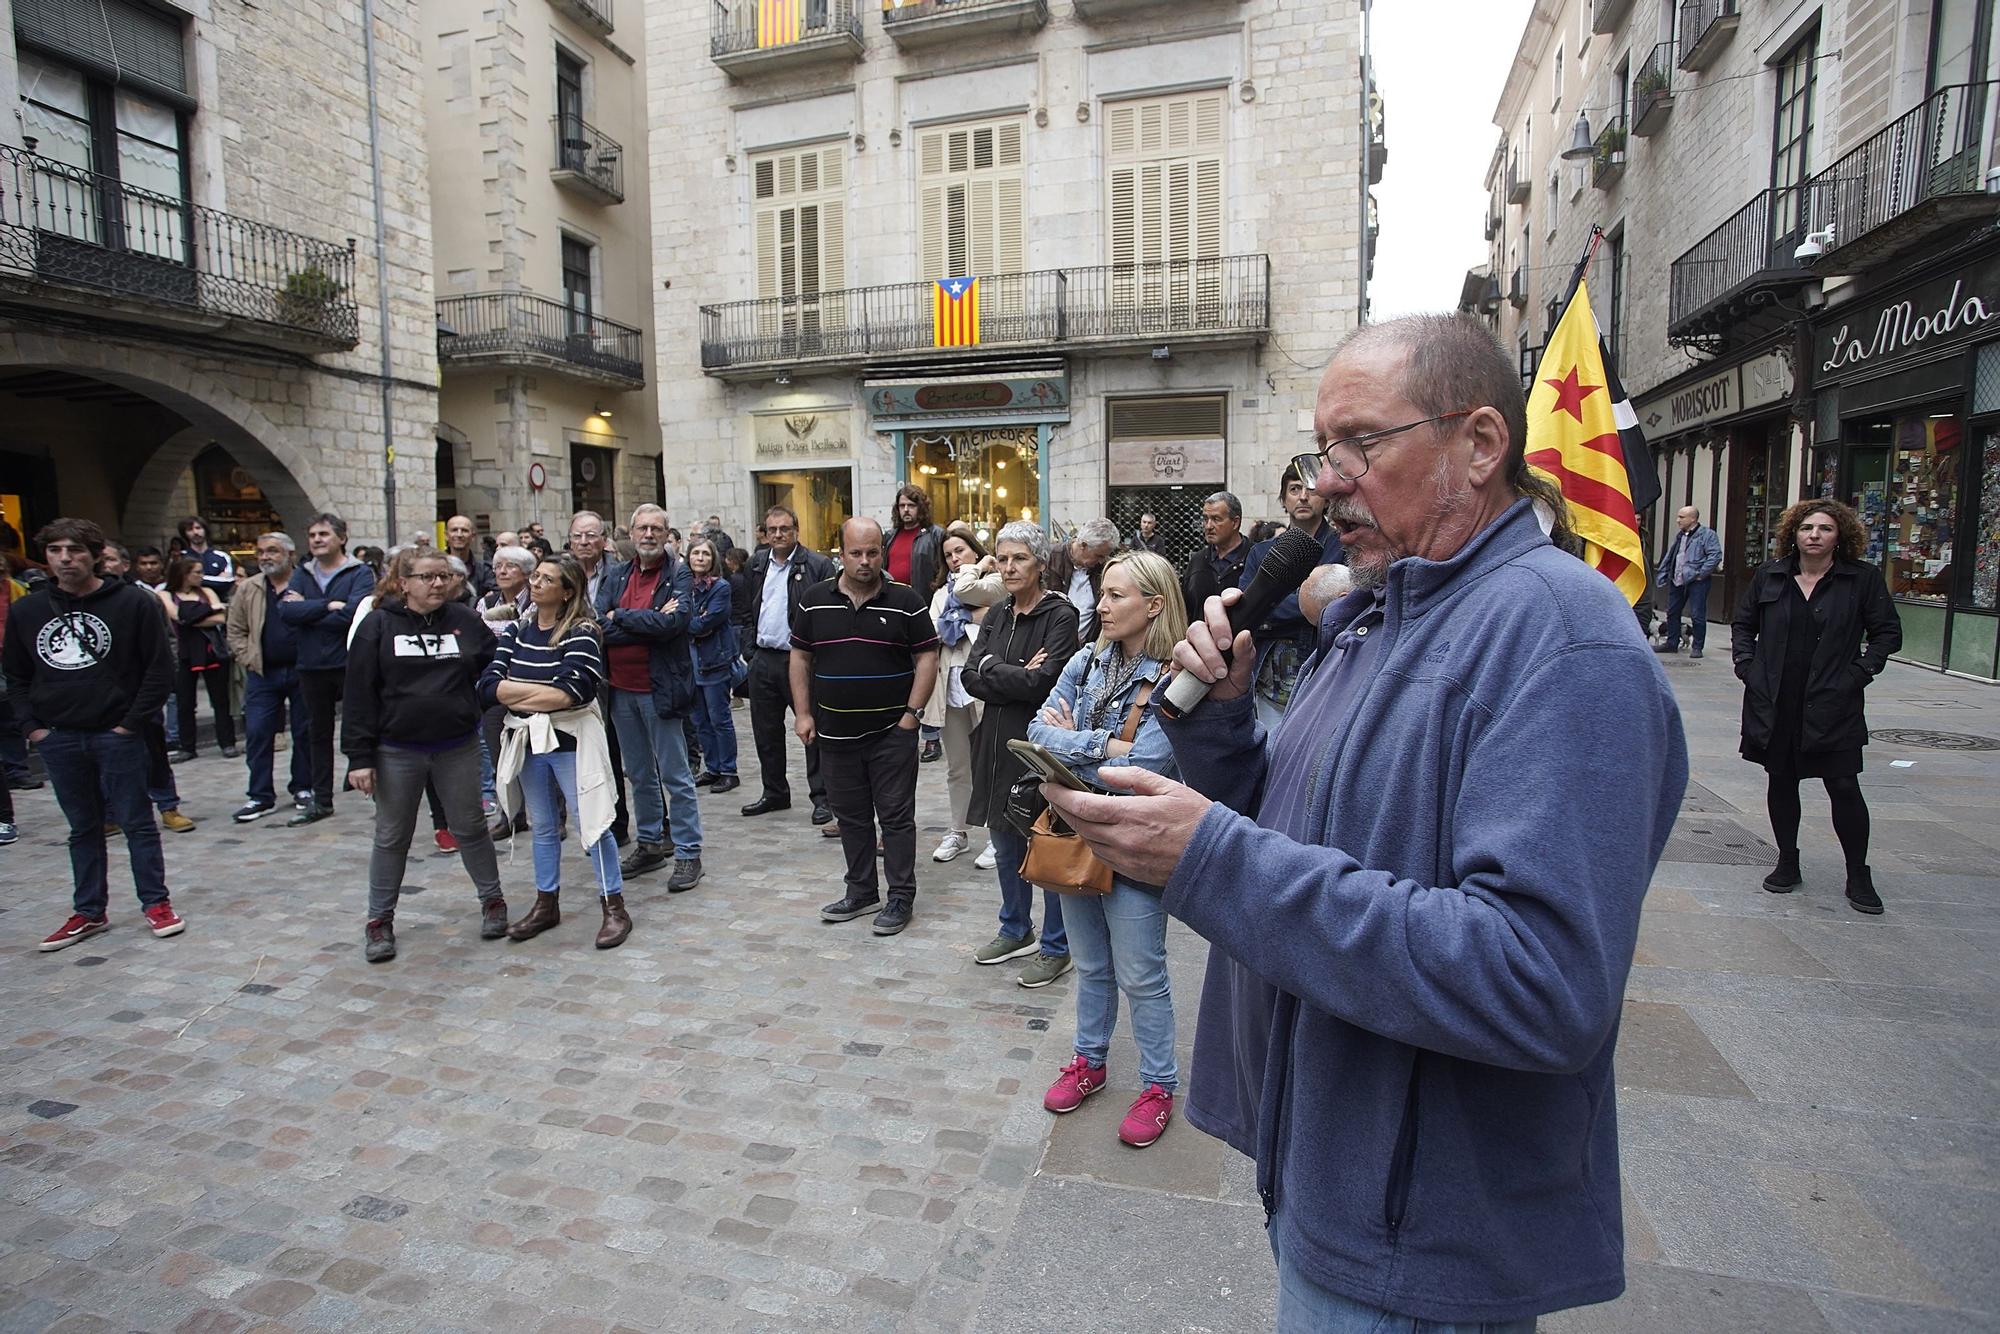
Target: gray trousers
x=400 y=776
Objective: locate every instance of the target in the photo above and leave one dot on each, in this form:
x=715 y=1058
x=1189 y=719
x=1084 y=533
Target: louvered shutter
x=119 y=42
x=1165 y=207
x=972 y=203
x=800 y=222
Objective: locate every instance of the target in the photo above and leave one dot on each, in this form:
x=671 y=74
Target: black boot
x=1861 y=895
x=1784 y=877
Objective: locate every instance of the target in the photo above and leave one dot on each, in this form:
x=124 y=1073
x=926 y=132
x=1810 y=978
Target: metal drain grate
x=1928 y=740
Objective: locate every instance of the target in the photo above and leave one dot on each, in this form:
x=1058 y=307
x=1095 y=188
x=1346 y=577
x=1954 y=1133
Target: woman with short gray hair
x=509 y=599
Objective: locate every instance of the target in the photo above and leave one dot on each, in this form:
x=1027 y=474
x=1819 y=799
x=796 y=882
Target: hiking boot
x=987 y=860
x=175 y=823
x=953 y=845
x=253 y=810
x=1784 y=877
x=540 y=918
x=892 y=919
x=849 y=908
x=645 y=857
x=163 y=920
x=1147 y=1120
x=380 y=938
x=617 y=924
x=1861 y=895
x=493 y=919
x=1002 y=948
x=446 y=841
x=1079 y=1079
x=78 y=927
x=1044 y=968
x=687 y=874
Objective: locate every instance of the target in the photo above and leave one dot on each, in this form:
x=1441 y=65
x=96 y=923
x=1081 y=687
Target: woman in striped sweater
x=547 y=671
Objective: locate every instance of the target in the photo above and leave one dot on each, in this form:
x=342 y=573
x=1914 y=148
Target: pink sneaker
x=78 y=927
x=164 y=921
x=1079 y=1080
x=1147 y=1120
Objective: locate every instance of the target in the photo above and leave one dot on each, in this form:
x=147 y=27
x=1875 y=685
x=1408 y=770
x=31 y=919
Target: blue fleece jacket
x=322 y=633
x=1413 y=996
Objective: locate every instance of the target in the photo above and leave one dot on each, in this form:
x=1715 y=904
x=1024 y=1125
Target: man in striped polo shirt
x=864 y=660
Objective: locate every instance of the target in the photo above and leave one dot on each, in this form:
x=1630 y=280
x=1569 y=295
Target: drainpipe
x=1367 y=154
x=381 y=272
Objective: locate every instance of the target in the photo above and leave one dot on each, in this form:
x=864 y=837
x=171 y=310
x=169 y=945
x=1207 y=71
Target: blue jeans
x=161 y=789
x=99 y=776
x=1119 y=943
x=1694 y=596
x=655 y=756
x=715 y=727
x=268 y=697
x=541 y=777
x=1017 y=896
x=1306 y=1308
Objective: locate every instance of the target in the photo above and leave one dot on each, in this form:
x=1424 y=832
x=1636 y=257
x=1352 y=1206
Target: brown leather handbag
x=1057 y=860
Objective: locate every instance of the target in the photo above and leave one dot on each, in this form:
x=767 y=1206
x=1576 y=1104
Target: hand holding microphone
x=1216 y=657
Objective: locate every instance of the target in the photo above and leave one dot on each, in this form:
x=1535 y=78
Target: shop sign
x=1166 y=462
x=1766 y=380
x=1026 y=396
x=1693 y=405
x=1941 y=313
x=803 y=436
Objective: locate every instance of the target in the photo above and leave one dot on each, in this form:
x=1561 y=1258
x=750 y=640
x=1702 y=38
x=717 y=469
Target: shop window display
x=1922 y=505
x=983 y=476
x=1986 y=524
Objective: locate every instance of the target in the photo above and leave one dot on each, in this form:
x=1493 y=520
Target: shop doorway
x=1760 y=482
x=590 y=482
x=229 y=498
x=823 y=498
x=1178 y=509
x=985 y=476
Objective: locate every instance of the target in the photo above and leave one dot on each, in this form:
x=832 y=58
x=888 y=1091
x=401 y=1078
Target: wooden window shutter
x=1124 y=215
x=972 y=202
x=931 y=241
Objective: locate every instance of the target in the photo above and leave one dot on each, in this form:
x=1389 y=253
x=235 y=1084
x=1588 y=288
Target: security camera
x=1815 y=245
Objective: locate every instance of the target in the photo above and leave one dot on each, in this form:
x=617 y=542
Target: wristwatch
x=918 y=714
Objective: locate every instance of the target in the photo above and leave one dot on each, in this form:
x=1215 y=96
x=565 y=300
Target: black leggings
x=1850 y=815
x=216 y=681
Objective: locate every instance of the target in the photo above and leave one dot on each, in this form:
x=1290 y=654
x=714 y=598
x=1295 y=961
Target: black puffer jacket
x=998 y=674
x=1854 y=605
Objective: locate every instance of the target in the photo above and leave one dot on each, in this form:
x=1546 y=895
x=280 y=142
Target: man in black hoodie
x=87 y=663
x=411 y=716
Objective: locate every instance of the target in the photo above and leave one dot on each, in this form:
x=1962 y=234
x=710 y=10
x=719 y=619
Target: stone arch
x=215 y=409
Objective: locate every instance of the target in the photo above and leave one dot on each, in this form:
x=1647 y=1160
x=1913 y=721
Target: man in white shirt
x=781 y=573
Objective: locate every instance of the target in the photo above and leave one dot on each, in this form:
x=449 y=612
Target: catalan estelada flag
x=955 y=312
x=1575 y=436
x=778 y=22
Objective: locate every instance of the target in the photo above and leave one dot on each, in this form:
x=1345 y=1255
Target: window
x=1556 y=97
x=1621 y=90
x=970 y=192
x=1961 y=35
x=93 y=128
x=1554 y=208
x=1164 y=166
x=799 y=205
x=576 y=283
x=569 y=111
x=1791 y=142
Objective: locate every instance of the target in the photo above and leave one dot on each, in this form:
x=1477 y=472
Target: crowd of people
x=1414 y=817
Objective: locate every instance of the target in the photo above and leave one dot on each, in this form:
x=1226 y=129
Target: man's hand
x=1199 y=654
x=291 y=595
x=1142 y=836
x=38 y=735
x=336 y=606
x=363 y=780
x=804 y=728
x=122 y=730
x=907 y=723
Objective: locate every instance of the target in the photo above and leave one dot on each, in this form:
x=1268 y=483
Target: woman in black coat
x=1797 y=641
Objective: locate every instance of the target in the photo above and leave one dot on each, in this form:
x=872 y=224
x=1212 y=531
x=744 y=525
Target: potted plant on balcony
x=307 y=295
x=1611 y=148
x=1652 y=80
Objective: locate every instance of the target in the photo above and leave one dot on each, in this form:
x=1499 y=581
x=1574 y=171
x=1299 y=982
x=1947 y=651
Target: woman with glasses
x=547 y=672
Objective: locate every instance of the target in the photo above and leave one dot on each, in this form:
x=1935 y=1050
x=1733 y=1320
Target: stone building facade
x=1766 y=174
x=191 y=304
x=1163 y=205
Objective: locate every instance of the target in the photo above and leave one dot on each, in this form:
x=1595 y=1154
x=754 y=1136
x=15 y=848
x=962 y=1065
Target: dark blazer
x=1855 y=605
x=998 y=673
x=670 y=661
x=808 y=568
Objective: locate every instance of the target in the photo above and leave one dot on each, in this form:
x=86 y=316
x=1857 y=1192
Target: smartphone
x=1049 y=768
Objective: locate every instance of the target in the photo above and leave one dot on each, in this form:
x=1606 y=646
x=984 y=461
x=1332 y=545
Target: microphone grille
x=1293 y=557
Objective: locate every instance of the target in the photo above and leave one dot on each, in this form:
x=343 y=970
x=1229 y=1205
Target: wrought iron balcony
x=73 y=239
x=1531 y=360
x=1518 y=185
x=1517 y=289
x=1919 y=176
x=1605 y=15
x=588 y=160
x=752 y=37
x=592 y=14
x=1718 y=285
x=914 y=24
x=519 y=330
x=1378 y=137
x=1607 y=159
x=1653 y=92
x=1182 y=303
x=1705 y=28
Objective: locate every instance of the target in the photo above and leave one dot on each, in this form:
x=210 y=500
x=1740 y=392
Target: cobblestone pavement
x=746 y=1120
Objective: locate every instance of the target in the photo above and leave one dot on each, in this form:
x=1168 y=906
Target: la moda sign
x=1938 y=314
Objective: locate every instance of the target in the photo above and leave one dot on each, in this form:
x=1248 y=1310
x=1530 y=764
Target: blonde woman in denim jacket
x=1119 y=941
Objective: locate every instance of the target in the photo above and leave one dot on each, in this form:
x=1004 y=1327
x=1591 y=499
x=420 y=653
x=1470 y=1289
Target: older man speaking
x=1423 y=890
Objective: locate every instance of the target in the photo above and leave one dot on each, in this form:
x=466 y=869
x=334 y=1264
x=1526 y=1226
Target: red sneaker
x=1147 y=1120
x=1079 y=1080
x=78 y=927
x=445 y=842
x=164 y=920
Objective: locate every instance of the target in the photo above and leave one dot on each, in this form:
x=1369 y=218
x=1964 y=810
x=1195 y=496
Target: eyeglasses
x=431 y=577
x=1348 y=456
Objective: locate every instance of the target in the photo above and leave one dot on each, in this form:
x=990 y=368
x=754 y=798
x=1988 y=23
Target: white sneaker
x=987 y=860
x=955 y=844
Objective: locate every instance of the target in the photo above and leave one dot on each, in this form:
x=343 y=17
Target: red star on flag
x=1570 y=394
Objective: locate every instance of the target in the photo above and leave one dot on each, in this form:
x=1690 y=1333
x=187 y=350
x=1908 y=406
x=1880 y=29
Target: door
x=821 y=497
x=591 y=481
x=575 y=145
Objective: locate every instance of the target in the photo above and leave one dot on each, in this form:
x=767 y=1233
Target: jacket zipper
x=1267 y=1160
x=1402 y=1166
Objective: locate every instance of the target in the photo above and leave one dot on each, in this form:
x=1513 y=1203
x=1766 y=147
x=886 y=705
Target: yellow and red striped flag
x=778 y=22
x=1574 y=437
x=955 y=312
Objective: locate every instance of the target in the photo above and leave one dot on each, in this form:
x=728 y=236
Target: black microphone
x=1292 y=557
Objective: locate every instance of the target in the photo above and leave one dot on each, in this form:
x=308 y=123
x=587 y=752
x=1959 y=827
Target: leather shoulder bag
x=1057 y=860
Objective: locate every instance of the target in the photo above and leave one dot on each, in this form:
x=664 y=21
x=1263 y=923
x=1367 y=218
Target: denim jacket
x=1083 y=751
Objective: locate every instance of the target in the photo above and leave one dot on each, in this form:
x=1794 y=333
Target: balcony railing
x=1531 y=360
x=522 y=329
x=1919 y=175
x=69 y=228
x=919 y=23
x=752 y=35
x=1653 y=91
x=1605 y=14
x=1607 y=159
x=1518 y=185
x=1207 y=300
x=1744 y=263
x=1705 y=28
x=1517 y=289
x=588 y=159
x=594 y=14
